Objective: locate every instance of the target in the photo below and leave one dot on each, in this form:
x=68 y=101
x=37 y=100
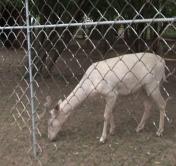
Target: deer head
x=56 y=121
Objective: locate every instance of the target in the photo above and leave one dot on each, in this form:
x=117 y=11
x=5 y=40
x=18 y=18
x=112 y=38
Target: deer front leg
x=112 y=125
x=157 y=97
x=146 y=115
x=110 y=102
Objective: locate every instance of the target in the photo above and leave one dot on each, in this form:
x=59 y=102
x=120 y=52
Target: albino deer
x=110 y=78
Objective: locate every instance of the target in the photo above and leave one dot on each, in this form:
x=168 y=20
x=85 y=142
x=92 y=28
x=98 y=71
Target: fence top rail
x=136 y=21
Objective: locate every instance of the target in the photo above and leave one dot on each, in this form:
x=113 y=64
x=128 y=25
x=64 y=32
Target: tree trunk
x=49 y=45
x=67 y=35
x=156 y=47
x=132 y=38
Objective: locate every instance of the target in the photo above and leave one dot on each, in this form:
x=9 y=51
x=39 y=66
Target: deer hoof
x=159 y=133
x=102 y=140
x=139 y=128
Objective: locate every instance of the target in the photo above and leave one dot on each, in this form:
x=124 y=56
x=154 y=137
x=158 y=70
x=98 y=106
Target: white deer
x=110 y=78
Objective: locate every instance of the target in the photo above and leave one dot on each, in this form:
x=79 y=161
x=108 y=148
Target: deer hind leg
x=153 y=90
x=108 y=119
x=146 y=115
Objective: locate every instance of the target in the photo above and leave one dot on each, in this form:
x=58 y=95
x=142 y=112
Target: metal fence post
x=31 y=80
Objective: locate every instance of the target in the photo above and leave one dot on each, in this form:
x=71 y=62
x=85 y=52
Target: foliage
x=66 y=10
x=132 y=9
x=11 y=3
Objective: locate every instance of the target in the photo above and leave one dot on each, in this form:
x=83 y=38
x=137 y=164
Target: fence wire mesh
x=47 y=48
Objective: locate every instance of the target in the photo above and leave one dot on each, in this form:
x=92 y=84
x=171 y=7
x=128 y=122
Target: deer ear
x=48 y=102
x=46 y=106
x=60 y=101
x=54 y=112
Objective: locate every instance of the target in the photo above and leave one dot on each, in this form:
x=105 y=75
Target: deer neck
x=75 y=98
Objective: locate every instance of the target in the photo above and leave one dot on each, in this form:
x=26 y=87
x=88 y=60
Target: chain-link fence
x=109 y=51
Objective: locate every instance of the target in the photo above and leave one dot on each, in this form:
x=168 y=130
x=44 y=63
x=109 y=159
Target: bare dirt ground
x=78 y=143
